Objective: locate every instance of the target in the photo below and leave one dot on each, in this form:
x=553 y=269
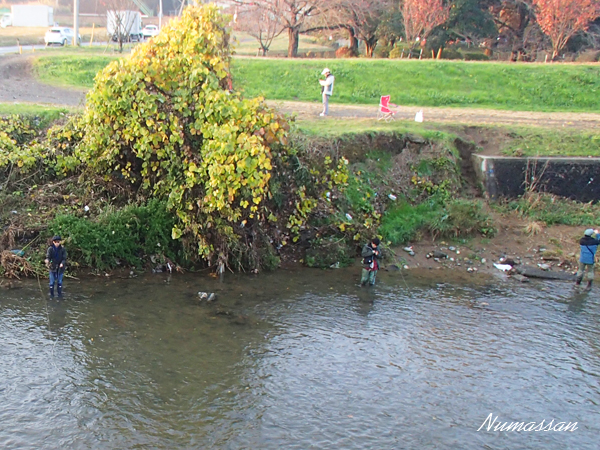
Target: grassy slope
x=533 y=87
x=71 y=69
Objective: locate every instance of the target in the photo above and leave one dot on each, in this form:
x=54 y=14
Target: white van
x=6 y=20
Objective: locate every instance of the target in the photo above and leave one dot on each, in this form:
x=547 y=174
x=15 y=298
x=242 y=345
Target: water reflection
x=297 y=360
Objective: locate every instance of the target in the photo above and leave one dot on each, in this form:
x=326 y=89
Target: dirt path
x=584 y=121
x=19 y=85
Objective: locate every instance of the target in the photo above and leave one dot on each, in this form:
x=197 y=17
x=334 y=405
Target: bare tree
x=262 y=25
x=361 y=18
x=296 y=16
x=120 y=23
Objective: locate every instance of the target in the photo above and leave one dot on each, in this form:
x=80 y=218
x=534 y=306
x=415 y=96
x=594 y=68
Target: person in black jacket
x=371 y=255
x=56 y=261
x=588 y=244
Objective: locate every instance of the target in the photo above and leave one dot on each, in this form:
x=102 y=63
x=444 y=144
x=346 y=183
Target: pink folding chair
x=385 y=112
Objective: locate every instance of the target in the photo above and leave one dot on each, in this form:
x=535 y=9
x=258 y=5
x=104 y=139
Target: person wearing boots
x=589 y=244
x=371 y=255
x=56 y=261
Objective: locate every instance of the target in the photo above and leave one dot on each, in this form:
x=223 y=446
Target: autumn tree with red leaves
x=561 y=19
x=421 y=17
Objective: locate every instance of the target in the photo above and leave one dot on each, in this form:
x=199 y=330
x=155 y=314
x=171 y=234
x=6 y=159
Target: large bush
x=166 y=121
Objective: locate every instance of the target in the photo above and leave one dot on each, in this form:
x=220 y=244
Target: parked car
x=150 y=31
x=61 y=36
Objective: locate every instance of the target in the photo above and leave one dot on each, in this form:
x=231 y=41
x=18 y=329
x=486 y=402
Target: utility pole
x=160 y=14
x=76 y=22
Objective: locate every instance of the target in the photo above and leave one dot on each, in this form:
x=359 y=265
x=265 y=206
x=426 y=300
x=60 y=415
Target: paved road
x=32 y=48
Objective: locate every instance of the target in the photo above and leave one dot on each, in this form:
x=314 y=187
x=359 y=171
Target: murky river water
x=297 y=360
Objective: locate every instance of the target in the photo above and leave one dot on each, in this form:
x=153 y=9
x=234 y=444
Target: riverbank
x=414 y=190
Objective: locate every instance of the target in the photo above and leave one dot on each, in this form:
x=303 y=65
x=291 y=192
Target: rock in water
x=520 y=278
x=208 y=296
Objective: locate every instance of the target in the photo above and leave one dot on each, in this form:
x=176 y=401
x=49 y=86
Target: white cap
x=325 y=70
x=589 y=232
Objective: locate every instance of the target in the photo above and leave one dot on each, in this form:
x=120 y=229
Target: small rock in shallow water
x=208 y=296
x=521 y=278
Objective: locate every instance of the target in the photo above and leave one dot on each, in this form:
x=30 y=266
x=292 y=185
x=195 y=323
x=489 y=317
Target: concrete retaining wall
x=509 y=177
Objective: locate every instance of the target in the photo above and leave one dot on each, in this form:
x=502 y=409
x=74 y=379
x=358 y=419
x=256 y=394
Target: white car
x=61 y=36
x=150 y=31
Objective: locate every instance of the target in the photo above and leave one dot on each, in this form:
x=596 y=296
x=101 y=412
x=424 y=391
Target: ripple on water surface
x=297 y=360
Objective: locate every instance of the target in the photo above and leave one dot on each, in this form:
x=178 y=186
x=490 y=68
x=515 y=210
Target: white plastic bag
x=419 y=116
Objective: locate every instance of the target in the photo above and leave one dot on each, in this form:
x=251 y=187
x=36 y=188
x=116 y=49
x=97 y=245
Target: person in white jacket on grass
x=326 y=89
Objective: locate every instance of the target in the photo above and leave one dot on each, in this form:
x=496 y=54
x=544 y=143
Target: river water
x=298 y=360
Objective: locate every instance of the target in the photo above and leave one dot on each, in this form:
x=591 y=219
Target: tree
x=164 y=120
x=471 y=19
x=120 y=23
x=517 y=28
x=422 y=16
x=296 y=16
x=261 y=24
x=361 y=18
x=561 y=19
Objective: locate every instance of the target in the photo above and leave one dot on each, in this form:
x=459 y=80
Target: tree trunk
x=353 y=40
x=294 y=37
x=370 y=45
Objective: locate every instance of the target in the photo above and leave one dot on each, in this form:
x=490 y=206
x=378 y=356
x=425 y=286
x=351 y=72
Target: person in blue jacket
x=56 y=261
x=589 y=244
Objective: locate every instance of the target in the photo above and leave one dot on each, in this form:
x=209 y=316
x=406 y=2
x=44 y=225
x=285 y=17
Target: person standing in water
x=588 y=244
x=371 y=255
x=56 y=261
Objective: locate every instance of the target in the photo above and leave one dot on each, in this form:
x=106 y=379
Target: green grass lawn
x=519 y=87
x=543 y=142
x=46 y=113
x=341 y=127
x=526 y=87
x=77 y=69
x=516 y=141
